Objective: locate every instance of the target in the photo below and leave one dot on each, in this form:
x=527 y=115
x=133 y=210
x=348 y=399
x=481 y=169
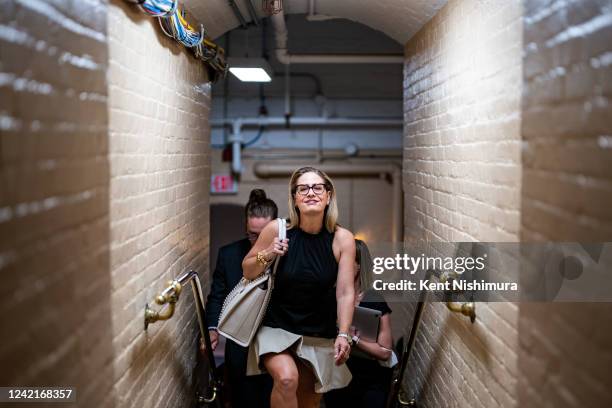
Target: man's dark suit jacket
x=227 y=274
x=247 y=392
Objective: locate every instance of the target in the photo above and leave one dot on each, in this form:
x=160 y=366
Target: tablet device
x=367 y=321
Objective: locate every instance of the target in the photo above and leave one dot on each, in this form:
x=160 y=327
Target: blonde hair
x=331 y=211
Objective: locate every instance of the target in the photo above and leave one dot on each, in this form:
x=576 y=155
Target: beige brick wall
x=564 y=352
x=462 y=182
x=104 y=150
x=567 y=180
x=462 y=143
x=467 y=179
x=54 y=198
x=159 y=101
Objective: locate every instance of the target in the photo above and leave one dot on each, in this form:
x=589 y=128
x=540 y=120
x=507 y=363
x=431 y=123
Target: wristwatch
x=356 y=340
x=347 y=337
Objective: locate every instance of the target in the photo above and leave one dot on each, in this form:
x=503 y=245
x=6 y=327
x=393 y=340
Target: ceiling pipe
x=238 y=14
x=236 y=138
x=252 y=12
x=287 y=96
x=239 y=123
x=312 y=16
x=271 y=170
x=281 y=35
x=315 y=79
x=331 y=154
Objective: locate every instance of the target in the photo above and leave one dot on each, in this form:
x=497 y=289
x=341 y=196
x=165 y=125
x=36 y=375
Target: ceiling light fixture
x=251 y=69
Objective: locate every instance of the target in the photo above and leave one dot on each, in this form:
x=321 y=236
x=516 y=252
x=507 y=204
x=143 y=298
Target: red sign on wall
x=223 y=184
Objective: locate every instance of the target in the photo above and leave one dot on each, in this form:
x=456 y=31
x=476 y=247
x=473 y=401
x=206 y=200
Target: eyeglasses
x=304 y=189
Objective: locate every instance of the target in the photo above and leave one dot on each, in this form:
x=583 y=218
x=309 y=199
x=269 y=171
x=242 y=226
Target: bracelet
x=262 y=259
x=347 y=337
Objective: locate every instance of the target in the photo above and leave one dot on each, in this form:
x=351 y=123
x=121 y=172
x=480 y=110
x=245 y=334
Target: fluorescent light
x=250 y=69
x=251 y=74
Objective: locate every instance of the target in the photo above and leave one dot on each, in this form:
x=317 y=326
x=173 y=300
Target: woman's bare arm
x=381 y=348
x=344 y=247
x=266 y=242
x=345 y=287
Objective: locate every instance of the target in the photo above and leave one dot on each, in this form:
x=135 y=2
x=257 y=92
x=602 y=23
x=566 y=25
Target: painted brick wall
x=462 y=182
x=566 y=122
x=461 y=111
x=461 y=145
x=54 y=198
x=104 y=197
x=159 y=176
x=564 y=352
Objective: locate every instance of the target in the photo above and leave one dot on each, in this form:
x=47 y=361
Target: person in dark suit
x=252 y=391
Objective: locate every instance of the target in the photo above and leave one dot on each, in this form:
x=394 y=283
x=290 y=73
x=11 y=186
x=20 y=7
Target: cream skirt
x=316 y=352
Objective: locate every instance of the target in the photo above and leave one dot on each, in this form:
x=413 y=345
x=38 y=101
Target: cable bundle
x=173 y=23
x=214 y=56
x=177 y=27
x=158 y=8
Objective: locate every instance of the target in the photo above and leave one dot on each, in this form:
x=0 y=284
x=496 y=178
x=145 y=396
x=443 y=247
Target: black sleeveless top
x=304 y=296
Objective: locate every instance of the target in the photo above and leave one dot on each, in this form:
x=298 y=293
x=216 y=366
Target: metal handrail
x=397 y=395
x=167 y=299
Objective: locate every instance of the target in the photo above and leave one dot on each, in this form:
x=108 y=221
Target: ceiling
x=334 y=81
x=399 y=19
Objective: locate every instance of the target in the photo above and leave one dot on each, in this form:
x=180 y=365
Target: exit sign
x=223 y=184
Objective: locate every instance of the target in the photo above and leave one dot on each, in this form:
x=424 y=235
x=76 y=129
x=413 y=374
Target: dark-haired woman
x=299 y=343
x=244 y=391
x=370 y=360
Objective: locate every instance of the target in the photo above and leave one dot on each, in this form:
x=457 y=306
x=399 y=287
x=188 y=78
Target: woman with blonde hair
x=299 y=343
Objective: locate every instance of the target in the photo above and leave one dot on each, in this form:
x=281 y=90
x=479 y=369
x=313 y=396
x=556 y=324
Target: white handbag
x=245 y=306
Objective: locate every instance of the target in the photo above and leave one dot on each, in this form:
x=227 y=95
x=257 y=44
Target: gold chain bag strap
x=245 y=306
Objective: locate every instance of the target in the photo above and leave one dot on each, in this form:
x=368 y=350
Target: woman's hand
x=381 y=348
x=276 y=248
x=342 y=350
x=214 y=340
x=269 y=246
